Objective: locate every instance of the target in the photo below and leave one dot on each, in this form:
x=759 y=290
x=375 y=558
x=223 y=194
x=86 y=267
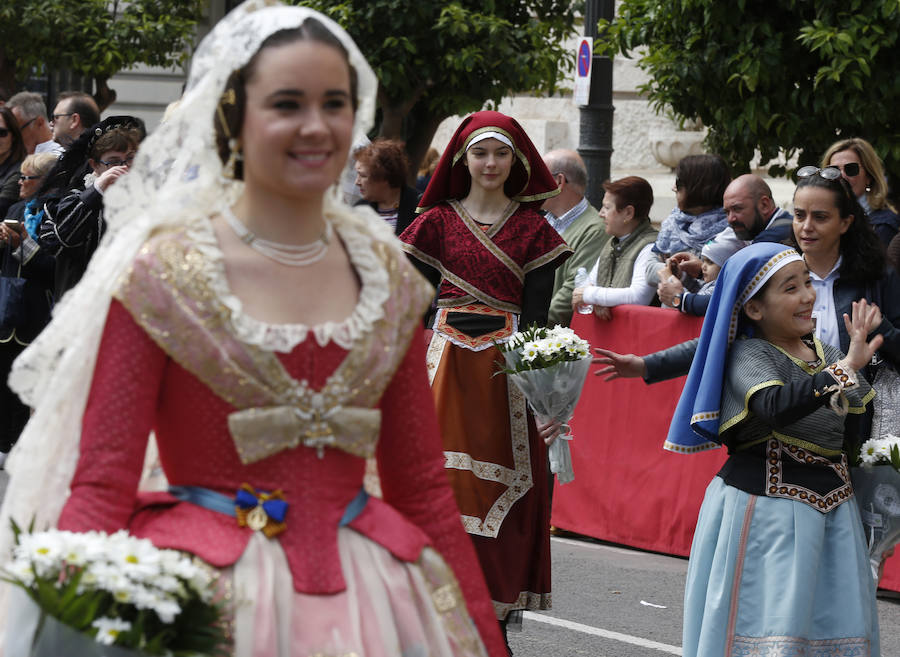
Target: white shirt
x=824 y=311
x=638 y=293
x=49 y=147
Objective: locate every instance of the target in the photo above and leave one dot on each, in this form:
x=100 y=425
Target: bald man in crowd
x=753 y=216
x=752 y=212
x=577 y=222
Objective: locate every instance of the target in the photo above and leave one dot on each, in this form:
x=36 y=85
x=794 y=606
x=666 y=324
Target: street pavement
x=610 y=601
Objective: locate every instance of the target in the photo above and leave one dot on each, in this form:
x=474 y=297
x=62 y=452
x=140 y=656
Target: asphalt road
x=610 y=601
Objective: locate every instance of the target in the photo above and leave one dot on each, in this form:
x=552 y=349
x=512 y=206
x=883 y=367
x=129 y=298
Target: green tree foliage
x=438 y=59
x=794 y=75
x=95 y=38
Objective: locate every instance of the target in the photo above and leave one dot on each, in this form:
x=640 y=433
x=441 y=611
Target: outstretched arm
x=659 y=366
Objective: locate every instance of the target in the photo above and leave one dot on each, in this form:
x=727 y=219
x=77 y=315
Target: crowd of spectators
x=54 y=169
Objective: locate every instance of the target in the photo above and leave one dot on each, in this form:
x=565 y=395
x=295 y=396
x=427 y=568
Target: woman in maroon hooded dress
x=492 y=257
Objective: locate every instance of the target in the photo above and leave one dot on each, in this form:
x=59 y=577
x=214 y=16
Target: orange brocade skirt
x=497 y=466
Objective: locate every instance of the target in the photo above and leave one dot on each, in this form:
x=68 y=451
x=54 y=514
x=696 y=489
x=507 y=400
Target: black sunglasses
x=828 y=173
x=4 y=132
x=850 y=169
x=24 y=177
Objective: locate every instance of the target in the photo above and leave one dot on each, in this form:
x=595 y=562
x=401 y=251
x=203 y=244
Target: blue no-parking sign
x=584 y=56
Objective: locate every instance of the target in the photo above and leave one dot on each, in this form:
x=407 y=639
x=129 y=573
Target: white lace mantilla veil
x=176 y=178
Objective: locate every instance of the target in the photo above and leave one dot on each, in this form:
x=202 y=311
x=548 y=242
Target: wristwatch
x=676 y=301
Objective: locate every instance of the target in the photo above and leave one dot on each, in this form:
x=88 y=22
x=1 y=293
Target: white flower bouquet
x=115 y=595
x=876 y=484
x=549 y=366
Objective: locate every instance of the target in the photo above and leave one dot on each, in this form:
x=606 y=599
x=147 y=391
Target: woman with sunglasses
x=33 y=311
x=862 y=168
x=12 y=152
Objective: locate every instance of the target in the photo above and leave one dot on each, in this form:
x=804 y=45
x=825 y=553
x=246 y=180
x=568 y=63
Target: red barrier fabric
x=627 y=489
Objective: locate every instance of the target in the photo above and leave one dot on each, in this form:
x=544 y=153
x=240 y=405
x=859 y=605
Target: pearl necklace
x=292 y=255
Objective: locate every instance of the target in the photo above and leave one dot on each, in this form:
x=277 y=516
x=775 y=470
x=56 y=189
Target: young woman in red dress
x=481 y=241
x=271 y=337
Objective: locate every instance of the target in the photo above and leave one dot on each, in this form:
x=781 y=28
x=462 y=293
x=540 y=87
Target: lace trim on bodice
x=373 y=294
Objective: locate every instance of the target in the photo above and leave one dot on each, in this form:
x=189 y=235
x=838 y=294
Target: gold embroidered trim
x=168 y=292
x=858 y=410
x=484 y=236
x=744 y=413
x=526 y=600
x=480 y=342
x=683 y=449
x=550 y=256
x=805 y=444
x=448 y=601
x=803 y=365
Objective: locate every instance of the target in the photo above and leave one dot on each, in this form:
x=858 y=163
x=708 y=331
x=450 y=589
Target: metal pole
x=595 y=145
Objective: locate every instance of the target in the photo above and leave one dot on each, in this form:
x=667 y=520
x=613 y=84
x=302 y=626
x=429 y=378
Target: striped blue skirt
x=773 y=577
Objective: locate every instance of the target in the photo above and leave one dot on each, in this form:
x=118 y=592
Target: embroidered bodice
x=484 y=265
x=227 y=412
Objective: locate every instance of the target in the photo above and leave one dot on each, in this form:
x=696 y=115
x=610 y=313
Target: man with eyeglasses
x=579 y=224
x=75 y=112
x=31 y=113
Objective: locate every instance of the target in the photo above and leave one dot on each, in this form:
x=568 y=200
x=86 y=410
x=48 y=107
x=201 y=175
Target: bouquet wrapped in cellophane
x=96 y=594
x=876 y=484
x=549 y=366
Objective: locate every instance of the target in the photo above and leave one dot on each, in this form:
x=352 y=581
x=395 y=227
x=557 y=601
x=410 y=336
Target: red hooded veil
x=529 y=182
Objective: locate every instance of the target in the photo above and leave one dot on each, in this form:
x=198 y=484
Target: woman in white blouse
x=618 y=276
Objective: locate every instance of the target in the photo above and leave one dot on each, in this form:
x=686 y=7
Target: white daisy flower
x=108 y=629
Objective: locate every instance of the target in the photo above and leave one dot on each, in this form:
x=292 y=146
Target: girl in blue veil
x=779 y=563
